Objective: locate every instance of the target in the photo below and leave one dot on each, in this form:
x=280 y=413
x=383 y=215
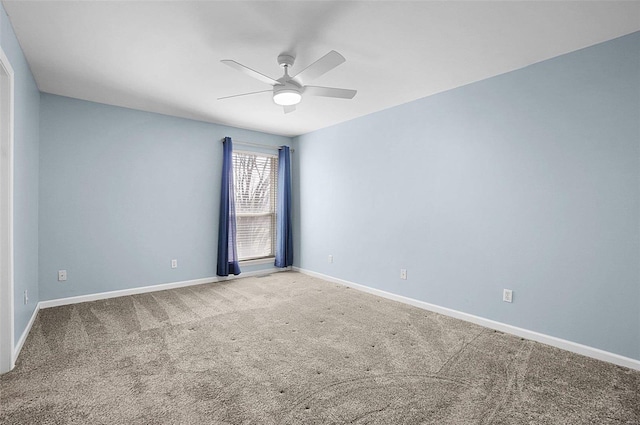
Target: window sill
x=267 y=260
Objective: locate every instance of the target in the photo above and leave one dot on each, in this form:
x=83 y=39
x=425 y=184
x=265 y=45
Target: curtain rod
x=257 y=145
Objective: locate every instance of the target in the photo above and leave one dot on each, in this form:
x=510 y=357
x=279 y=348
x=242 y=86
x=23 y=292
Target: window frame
x=274 y=214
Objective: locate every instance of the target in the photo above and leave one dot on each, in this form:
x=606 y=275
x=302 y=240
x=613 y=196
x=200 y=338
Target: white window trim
x=257 y=261
x=262 y=260
x=247 y=152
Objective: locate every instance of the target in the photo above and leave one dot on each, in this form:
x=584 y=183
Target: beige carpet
x=291 y=349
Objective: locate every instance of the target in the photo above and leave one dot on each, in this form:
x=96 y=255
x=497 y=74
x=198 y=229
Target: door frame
x=7 y=355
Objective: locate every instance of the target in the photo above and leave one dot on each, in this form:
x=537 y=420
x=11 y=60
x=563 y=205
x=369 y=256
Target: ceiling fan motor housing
x=286 y=60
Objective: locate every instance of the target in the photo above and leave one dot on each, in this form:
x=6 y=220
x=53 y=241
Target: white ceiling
x=165 y=56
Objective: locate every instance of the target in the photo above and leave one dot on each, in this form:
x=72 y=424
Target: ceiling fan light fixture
x=287 y=97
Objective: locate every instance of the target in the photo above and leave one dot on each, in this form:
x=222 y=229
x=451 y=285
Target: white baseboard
x=574 y=347
x=25 y=334
x=152 y=288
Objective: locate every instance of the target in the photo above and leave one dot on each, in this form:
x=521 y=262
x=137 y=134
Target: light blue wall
x=122 y=192
x=529 y=181
x=25 y=189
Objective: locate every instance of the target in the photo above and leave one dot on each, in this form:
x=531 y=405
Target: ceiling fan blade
x=289 y=108
x=320 y=67
x=250 y=72
x=330 y=92
x=245 y=94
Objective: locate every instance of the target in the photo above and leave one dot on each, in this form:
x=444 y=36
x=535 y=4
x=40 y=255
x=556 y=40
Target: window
x=255 y=178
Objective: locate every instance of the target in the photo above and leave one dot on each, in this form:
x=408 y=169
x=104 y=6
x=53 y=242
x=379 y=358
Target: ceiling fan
x=287 y=90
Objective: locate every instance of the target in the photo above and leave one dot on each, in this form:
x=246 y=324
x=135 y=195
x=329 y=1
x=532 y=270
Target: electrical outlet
x=26 y=296
x=62 y=275
x=174 y=264
x=507 y=295
x=330 y=259
x=403 y=274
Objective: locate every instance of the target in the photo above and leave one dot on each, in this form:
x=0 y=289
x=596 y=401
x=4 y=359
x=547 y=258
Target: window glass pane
x=255 y=236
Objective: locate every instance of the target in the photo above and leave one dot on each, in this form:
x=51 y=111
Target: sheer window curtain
x=284 y=237
x=227 y=247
